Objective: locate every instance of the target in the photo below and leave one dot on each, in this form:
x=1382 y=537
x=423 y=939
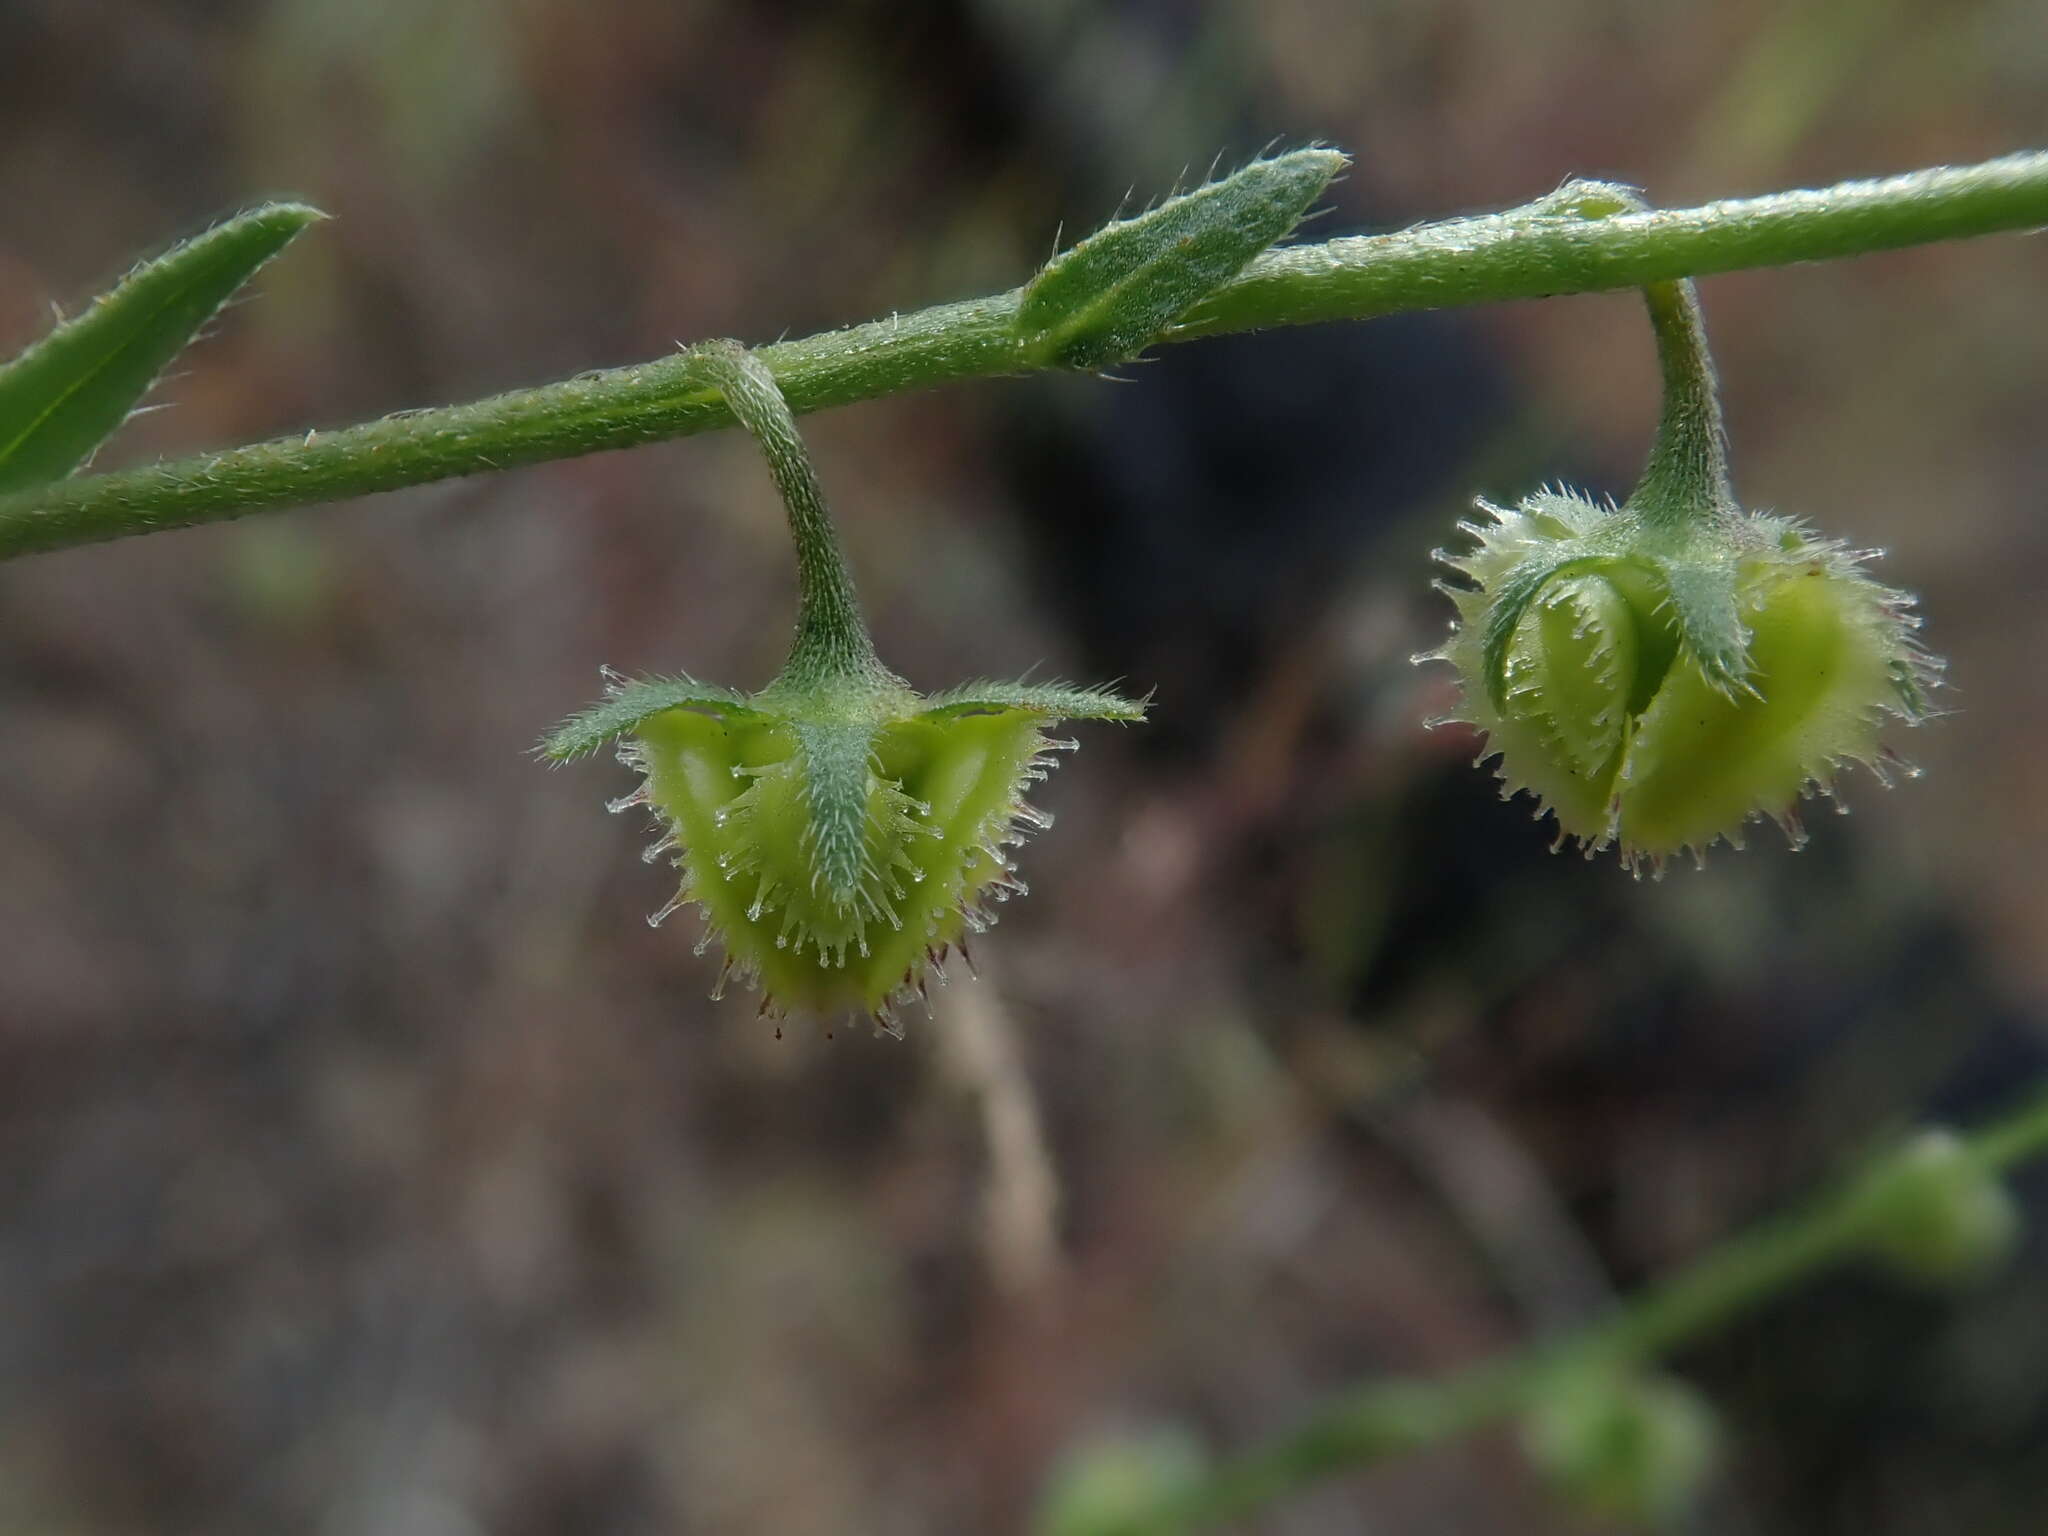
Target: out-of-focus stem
x=1381 y=1419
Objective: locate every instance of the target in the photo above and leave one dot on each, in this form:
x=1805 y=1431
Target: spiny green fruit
x=841 y=842
x=1656 y=689
x=840 y=834
x=1661 y=672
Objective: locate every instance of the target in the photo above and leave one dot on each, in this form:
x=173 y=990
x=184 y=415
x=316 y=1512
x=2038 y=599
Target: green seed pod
x=840 y=834
x=1942 y=1217
x=1631 y=1447
x=1657 y=701
x=840 y=847
x=1657 y=674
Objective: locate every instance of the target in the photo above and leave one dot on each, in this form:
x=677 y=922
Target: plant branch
x=832 y=641
x=1381 y=1419
x=1522 y=254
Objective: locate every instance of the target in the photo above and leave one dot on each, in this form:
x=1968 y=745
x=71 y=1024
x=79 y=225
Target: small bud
x=1623 y=1447
x=1941 y=1216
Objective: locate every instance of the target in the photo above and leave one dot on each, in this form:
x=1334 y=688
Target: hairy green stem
x=1687 y=475
x=1381 y=1419
x=832 y=640
x=1527 y=253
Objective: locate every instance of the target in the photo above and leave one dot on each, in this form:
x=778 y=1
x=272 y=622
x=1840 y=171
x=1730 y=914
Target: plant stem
x=1522 y=254
x=1500 y=256
x=1686 y=479
x=832 y=640
x=1381 y=1419
x=1687 y=474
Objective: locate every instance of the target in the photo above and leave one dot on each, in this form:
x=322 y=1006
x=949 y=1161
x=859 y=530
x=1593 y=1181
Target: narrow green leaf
x=1055 y=701
x=628 y=702
x=1113 y=294
x=67 y=393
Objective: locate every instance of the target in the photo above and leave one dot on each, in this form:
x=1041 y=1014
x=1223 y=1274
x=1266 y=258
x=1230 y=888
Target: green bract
x=1116 y=292
x=1656 y=691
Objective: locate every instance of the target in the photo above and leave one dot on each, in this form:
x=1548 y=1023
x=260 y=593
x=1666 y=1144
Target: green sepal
x=837 y=781
x=1110 y=296
x=68 y=393
x=1581 y=652
x=627 y=702
x=1706 y=607
x=1704 y=759
x=840 y=859
x=1509 y=600
x=1053 y=701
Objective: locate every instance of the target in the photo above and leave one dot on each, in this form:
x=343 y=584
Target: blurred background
x=367 y=1165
